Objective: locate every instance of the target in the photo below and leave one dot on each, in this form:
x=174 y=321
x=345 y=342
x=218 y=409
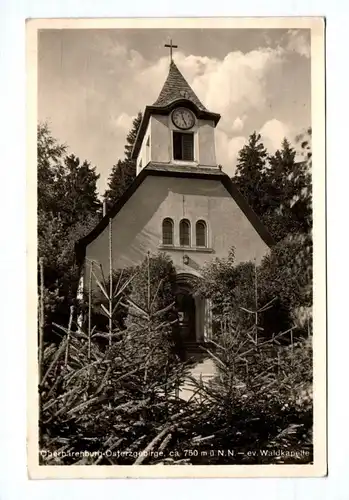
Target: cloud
x=227 y=151
x=114 y=82
x=236 y=83
x=238 y=124
x=299 y=42
x=228 y=86
x=123 y=121
x=273 y=132
x=234 y=146
x=233 y=87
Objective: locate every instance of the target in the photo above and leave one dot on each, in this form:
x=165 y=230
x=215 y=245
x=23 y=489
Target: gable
x=136 y=221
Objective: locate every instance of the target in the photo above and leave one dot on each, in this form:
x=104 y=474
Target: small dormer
x=177 y=128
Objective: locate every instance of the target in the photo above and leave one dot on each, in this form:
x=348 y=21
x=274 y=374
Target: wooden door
x=186 y=316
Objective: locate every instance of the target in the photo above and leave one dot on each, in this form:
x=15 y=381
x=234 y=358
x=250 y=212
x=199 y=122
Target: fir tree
x=128 y=387
x=116 y=184
x=277 y=187
x=80 y=190
x=68 y=208
x=66 y=187
x=131 y=136
x=49 y=157
x=304 y=182
x=288 y=209
x=250 y=173
x=124 y=171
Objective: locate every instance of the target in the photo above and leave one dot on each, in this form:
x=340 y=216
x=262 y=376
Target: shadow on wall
x=193 y=264
x=132 y=233
x=207 y=188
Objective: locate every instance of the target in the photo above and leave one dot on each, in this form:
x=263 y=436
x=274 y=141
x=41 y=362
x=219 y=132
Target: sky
x=91 y=83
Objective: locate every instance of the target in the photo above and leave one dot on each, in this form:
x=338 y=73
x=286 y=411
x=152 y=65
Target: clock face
x=183 y=118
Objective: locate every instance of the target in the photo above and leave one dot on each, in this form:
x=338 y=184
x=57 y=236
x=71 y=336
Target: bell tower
x=176 y=129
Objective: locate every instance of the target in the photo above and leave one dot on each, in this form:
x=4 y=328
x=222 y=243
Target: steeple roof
x=176 y=87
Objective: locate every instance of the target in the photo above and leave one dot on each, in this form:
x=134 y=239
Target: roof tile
x=176 y=87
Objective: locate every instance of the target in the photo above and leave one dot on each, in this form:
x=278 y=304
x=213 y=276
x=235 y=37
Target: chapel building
x=180 y=202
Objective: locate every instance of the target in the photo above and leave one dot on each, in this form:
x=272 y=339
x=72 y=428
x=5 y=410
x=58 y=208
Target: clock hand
x=185 y=123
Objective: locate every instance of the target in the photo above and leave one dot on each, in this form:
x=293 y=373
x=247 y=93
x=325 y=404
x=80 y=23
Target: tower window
x=183 y=146
x=184 y=233
x=201 y=233
x=167 y=232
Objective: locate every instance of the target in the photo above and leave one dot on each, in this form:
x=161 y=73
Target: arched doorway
x=186 y=311
x=193 y=328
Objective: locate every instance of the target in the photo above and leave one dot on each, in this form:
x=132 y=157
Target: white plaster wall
x=206 y=143
x=161 y=128
x=136 y=229
x=142 y=156
x=161 y=139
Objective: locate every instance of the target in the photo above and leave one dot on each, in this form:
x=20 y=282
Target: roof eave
x=80 y=246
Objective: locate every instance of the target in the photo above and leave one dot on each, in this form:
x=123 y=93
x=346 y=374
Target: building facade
x=181 y=203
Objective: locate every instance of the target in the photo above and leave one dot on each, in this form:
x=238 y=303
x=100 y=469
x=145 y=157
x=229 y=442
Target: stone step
x=206 y=367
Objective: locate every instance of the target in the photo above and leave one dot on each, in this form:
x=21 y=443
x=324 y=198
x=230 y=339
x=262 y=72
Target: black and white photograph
x=177 y=248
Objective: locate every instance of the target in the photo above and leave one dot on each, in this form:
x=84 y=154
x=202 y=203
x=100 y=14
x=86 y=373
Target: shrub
x=119 y=399
x=284 y=279
x=96 y=396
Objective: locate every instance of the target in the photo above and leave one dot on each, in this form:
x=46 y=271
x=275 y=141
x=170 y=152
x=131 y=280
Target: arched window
x=184 y=233
x=167 y=232
x=201 y=234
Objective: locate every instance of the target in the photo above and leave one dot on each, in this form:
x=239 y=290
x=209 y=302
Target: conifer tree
x=250 y=173
x=131 y=136
x=66 y=187
x=49 y=162
x=286 y=181
x=277 y=187
x=304 y=181
x=124 y=171
x=68 y=208
x=127 y=394
x=80 y=190
x=116 y=184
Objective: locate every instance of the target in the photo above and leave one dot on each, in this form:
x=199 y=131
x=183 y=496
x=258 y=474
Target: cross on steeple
x=170 y=46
